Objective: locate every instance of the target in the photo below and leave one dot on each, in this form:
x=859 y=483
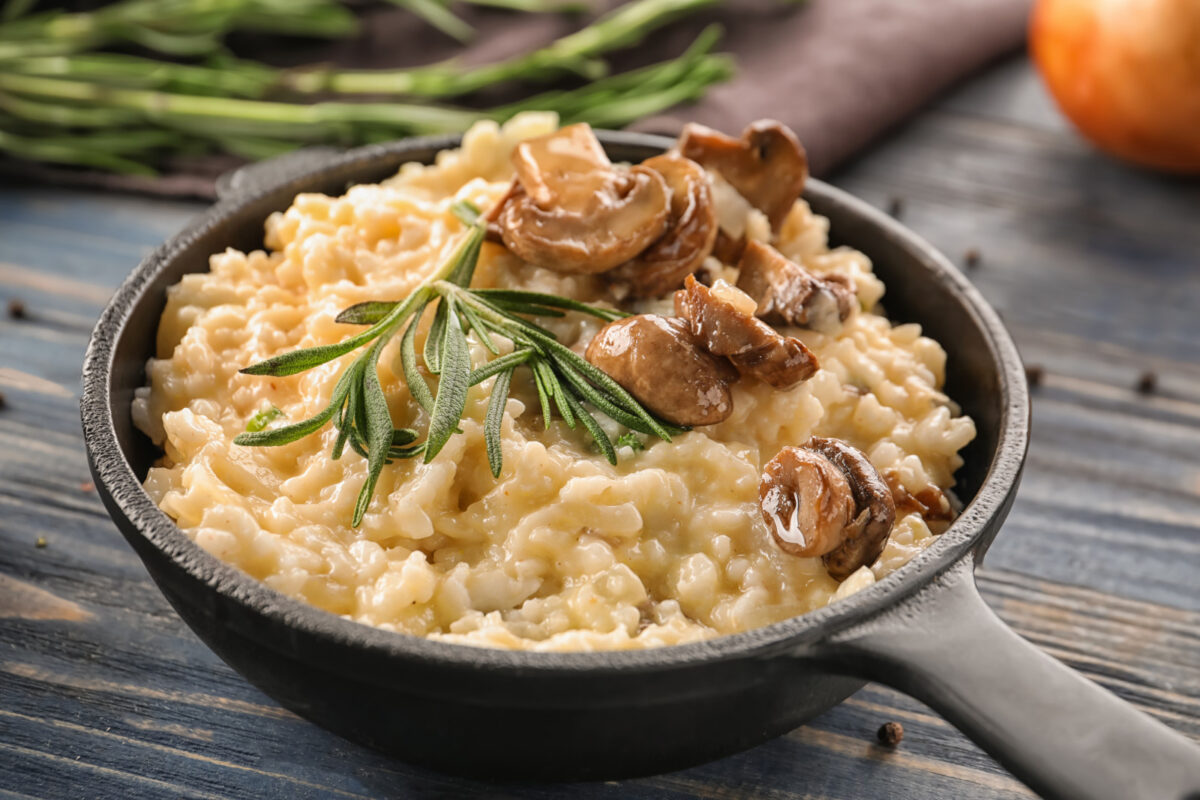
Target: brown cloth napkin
x=839 y=72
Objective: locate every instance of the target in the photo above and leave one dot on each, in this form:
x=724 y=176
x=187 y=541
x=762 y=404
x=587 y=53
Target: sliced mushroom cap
x=575 y=212
x=826 y=499
x=806 y=502
x=728 y=249
x=691 y=231
x=657 y=360
x=767 y=165
x=548 y=167
x=874 y=506
x=722 y=320
x=788 y=294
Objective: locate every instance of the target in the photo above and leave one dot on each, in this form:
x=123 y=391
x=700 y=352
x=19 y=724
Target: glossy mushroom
x=874 y=504
x=722 y=320
x=806 y=502
x=657 y=360
x=573 y=211
x=767 y=165
x=804 y=505
x=691 y=231
x=788 y=294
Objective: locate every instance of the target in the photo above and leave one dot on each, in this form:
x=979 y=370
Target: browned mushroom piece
x=548 y=166
x=491 y=217
x=690 y=234
x=811 y=513
x=806 y=502
x=728 y=249
x=657 y=360
x=722 y=320
x=876 y=510
x=788 y=294
x=931 y=502
x=573 y=211
x=767 y=165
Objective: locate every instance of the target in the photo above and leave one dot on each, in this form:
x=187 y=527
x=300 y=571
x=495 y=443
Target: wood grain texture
x=105 y=693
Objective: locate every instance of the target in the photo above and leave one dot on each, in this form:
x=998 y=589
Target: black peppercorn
x=890 y=734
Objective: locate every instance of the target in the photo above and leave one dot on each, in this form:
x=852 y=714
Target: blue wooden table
x=1096 y=268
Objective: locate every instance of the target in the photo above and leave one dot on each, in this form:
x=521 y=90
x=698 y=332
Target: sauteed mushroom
x=806 y=502
x=491 y=217
x=788 y=294
x=573 y=211
x=767 y=165
x=690 y=234
x=876 y=510
x=722 y=319
x=728 y=249
x=826 y=499
x=657 y=360
x=931 y=502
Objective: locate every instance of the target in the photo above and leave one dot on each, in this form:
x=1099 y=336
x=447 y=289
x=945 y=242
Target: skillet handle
x=1058 y=732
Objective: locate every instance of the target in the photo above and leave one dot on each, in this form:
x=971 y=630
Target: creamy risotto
x=563 y=551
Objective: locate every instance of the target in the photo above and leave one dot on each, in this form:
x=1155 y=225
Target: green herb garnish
x=630 y=439
x=262 y=419
x=65 y=100
x=565 y=381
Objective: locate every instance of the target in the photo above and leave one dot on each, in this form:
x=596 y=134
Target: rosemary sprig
x=564 y=380
x=36 y=109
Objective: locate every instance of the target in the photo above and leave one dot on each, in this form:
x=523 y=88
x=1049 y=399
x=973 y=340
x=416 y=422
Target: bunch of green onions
x=67 y=98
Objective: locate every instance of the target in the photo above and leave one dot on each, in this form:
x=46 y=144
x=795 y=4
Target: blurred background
x=1048 y=147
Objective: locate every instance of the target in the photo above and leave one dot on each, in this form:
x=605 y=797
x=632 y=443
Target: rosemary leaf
x=556 y=392
x=602 y=380
x=593 y=427
x=497 y=365
x=353 y=420
x=466 y=211
x=358 y=446
x=451 y=399
x=298 y=430
x=515 y=307
x=543 y=392
x=466 y=258
x=379 y=432
x=301 y=360
x=542 y=301
x=437 y=333
x=357 y=405
x=403 y=436
x=368 y=313
x=407 y=452
x=495 y=418
x=601 y=401
x=343 y=426
x=417 y=386
x=481 y=332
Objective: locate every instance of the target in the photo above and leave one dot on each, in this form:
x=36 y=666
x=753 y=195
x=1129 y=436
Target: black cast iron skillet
x=497 y=713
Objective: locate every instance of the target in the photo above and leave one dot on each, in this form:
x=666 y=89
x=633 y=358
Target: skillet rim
x=126 y=499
